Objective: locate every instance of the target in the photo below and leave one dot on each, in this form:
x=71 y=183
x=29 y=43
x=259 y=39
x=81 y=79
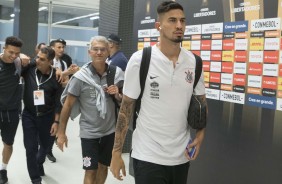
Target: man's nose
x=179 y=24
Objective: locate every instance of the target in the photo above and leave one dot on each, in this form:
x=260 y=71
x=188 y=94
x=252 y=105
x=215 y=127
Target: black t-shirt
x=10 y=90
x=67 y=59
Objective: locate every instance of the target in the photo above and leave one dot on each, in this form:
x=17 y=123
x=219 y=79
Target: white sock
x=3 y=166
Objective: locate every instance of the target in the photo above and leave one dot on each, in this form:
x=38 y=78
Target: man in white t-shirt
x=161 y=136
x=58 y=46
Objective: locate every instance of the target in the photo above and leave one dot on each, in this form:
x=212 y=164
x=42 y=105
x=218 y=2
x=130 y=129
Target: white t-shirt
x=57 y=64
x=162 y=133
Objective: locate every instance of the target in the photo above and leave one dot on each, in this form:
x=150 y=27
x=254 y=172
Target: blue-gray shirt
x=91 y=124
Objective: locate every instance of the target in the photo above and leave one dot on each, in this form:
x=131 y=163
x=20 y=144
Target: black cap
x=60 y=40
x=115 y=38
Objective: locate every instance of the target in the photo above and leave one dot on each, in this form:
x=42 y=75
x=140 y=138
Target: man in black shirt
x=41 y=110
x=10 y=98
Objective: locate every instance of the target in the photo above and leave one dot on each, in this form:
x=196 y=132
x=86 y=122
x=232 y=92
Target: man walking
x=10 y=98
x=88 y=92
x=162 y=134
x=41 y=112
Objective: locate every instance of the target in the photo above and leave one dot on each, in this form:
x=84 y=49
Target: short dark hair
x=167 y=6
x=14 y=41
x=40 y=44
x=59 y=40
x=49 y=52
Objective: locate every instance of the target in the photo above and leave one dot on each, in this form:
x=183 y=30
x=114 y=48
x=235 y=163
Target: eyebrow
x=182 y=18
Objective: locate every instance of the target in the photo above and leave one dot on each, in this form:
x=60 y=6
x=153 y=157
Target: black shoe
x=41 y=170
x=3 y=177
x=37 y=182
x=51 y=157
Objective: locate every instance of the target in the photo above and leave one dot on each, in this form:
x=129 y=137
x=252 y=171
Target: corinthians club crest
x=189 y=76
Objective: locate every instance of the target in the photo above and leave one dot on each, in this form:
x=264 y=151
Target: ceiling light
x=42 y=8
x=12 y=15
x=76 y=18
x=94 y=18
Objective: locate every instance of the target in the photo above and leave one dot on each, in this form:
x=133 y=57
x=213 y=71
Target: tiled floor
x=67 y=169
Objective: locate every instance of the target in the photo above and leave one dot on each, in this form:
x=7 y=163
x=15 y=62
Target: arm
x=125 y=113
x=114 y=90
x=24 y=59
x=200 y=134
x=54 y=127
x=71 y=70
x=65 y=80
x=65 y=114
x=58 y=108
x=59 y=74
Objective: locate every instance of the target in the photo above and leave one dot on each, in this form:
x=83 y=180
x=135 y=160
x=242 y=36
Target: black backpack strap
x=62 y=65
x=144 y=68
x=111 y=73
x=198 y=70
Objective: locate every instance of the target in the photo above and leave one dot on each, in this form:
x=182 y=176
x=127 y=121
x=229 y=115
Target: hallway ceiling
x=89 y=4
x=67 y=12
x=79 y=4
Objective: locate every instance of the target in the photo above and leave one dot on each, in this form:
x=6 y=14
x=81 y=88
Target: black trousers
x=150 y=173
x=36 y=129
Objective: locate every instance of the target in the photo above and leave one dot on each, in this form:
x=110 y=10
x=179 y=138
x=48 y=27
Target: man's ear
x=157 y=25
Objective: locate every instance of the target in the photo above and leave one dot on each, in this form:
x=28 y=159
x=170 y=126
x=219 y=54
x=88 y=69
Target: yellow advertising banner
x=256 y=43
x=207 y=76
x=228 y=55
x=279 y=83
x=186 y=45
x=140 y=45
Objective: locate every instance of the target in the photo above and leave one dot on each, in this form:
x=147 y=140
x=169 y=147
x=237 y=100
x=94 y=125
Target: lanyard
x=39 y=82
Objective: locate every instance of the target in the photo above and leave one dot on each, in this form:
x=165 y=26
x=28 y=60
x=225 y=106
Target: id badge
x=38 y=97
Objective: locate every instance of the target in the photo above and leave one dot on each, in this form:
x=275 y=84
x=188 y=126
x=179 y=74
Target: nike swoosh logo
x=153 y=77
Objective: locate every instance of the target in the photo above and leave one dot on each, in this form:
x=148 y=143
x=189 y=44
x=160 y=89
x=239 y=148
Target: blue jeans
x=36 y=128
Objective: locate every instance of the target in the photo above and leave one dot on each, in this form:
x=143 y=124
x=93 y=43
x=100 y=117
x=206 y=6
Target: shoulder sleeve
x=131 y=86
x=75 y=86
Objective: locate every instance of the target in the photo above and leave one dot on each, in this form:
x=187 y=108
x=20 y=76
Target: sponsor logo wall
x=242 y=60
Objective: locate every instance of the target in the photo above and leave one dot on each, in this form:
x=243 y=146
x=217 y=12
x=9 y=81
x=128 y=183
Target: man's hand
x=59 y=75
x=65 y=81
x=54 y=129
x=25 y=59
x=197 y=142
x=112 y=89
x=117 y=166
x=61 y=140
x=73 y=69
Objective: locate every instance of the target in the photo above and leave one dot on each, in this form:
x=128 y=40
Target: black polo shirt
x=52 y=91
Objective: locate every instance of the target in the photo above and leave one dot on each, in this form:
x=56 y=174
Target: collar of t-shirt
x=110 y=57
x=94 y=71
